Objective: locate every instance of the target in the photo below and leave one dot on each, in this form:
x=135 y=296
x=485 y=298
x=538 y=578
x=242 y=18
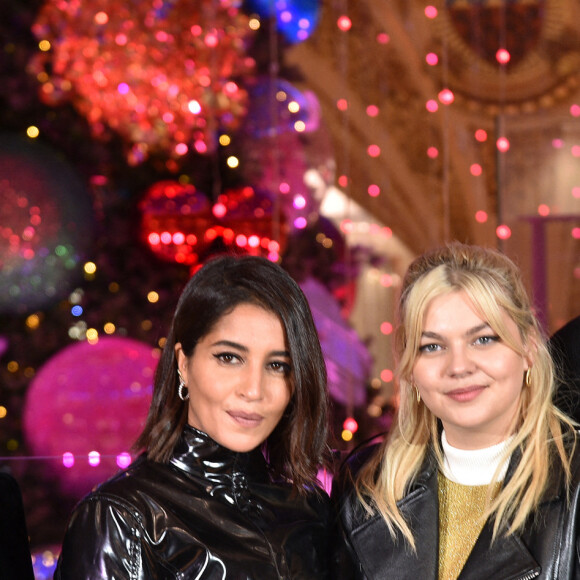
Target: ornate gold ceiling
x=430 y=187
x=426 y=200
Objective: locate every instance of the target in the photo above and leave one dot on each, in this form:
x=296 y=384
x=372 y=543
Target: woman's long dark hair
x=298 y=446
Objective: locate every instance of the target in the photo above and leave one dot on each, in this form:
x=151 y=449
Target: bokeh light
x=149 y=73
x=503 y=232
x=503 y=144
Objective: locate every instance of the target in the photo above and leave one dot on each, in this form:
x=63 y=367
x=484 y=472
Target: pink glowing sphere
x=86 y=406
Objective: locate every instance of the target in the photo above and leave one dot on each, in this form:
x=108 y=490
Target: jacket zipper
x=529 y=576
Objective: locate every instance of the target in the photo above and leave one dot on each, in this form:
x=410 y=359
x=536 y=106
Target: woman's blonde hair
x=494 y=285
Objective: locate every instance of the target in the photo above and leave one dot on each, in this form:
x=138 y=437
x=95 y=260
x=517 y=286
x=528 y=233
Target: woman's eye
x=429 y=348
x=483 y=340
x=281 y=367
x=227 y=357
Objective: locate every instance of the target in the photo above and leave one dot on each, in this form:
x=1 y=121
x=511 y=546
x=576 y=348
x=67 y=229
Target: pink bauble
x=89 y=398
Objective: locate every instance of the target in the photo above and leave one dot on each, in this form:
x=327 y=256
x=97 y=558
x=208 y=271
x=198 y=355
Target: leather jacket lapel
x=382 y=558
x=421 y=508
x=506 y=558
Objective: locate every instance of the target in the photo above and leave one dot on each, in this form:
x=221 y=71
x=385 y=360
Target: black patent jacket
x=548 y=548
x=209 y=514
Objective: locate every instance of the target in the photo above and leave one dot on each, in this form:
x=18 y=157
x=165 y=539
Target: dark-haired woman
x=227 y=485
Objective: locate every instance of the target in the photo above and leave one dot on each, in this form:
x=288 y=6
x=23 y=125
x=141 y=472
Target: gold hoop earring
x=528 y=377
x=418 y=394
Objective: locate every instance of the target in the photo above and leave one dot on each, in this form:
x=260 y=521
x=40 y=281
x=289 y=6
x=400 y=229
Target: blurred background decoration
x=338 y=138
x=161 y=74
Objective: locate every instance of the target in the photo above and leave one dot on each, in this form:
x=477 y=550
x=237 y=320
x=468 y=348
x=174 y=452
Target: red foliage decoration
x=179 y=223
x=162 y=73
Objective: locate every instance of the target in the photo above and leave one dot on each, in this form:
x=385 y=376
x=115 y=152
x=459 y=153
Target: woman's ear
x=531 y=348
x=180 y=357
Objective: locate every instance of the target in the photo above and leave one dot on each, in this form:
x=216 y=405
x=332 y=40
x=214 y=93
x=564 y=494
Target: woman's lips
x=467 y=394
x=246 y=419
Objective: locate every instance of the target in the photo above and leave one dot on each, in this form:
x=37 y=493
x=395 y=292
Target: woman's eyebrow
x=242 y=348
x=469 y=332
x=230 y=344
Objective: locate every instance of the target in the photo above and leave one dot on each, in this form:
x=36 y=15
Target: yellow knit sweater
x=461 y=508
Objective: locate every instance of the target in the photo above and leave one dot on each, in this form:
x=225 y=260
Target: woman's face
x=466 y=375
x=238 y=378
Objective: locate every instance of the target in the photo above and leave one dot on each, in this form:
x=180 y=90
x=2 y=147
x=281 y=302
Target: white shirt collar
x=474 y=466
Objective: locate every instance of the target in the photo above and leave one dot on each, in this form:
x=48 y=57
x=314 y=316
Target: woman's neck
x=474 y=466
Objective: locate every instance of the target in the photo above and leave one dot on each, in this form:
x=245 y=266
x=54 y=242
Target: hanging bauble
x=287 y=150
x=46 y=225
x=295 y=19
x=86 y=406
x=248 y=220
x=174 y=220
x=162 y=74
x=276 y=106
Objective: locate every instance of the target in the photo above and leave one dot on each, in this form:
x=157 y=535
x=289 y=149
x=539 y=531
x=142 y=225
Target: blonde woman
x=479 y=477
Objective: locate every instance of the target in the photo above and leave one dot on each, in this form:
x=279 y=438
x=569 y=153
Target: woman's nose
x=459 y=361
x=251 y=386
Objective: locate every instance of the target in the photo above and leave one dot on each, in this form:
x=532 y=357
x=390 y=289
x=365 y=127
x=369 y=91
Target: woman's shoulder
x=344 y=494
x=131 y=489
x=573 y=448
x=351 y=463
x=556 y=481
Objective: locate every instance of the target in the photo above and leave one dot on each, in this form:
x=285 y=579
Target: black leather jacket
x=548 y=548
x=15 y=560
x=209 y=514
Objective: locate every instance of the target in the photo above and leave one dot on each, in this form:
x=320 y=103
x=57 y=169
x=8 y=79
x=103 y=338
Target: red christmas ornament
x=179 y=223
x=257 y=224
x=174 y=220
x=160 y=73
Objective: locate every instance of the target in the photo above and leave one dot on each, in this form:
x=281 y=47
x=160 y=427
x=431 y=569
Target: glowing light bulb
x=503 y=232
x=502 y=56
x=431 y=12
x=432 y=59
x=446 y=96
x=476 y=169
x=481 y=135
x=386 y=328
x=350 y=424
x=432 y=106
x=219 y=210
x=123 y=460
x=503 y=144
x=68 y=459
x=543 y=210
x=344 y=23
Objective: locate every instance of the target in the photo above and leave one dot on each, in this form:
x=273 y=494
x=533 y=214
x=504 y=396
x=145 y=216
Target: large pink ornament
x=86 y=406
x=161 y=73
